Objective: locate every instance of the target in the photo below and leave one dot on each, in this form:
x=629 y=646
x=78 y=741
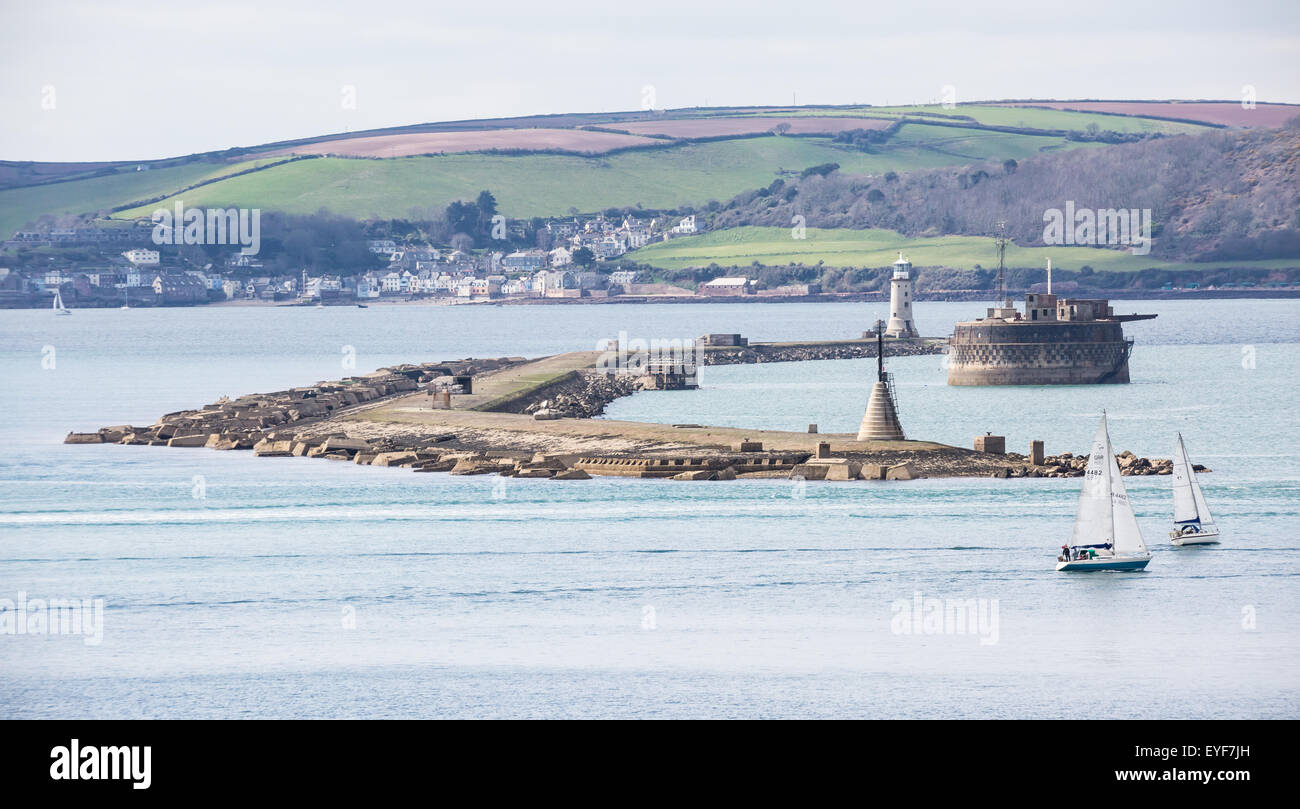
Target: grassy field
x=18 y=206
x=880 y=248
x=541 y=185
x=1029 y=118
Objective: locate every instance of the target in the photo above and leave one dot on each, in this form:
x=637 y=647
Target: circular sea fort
x=1054 y=341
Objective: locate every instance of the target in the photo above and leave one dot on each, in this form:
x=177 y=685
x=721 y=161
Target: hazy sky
x=121 y=81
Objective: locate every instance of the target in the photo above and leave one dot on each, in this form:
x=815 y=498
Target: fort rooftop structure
x=1055 y=341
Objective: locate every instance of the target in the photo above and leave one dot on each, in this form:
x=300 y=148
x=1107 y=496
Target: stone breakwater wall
x=301 y=422
x=580 y=395
x=240 y=423
x=847 y=350
x=1069 y=465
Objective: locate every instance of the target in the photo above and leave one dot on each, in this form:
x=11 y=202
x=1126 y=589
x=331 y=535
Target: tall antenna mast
x=1002 y=262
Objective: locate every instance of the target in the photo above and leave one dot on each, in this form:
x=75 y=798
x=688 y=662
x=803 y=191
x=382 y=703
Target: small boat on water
x=362 y=306
x=59 y=308
x=1106 y=534
x=1193 y=524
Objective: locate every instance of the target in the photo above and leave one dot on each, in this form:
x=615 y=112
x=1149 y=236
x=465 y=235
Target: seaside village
x=581 y=265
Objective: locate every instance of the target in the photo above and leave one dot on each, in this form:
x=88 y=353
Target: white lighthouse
x=901 y=323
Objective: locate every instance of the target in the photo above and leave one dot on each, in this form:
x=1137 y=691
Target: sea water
x=234 y=586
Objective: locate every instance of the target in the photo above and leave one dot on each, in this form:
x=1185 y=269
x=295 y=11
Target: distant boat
x=362 y=306
x=1193 y=524
x=1106 y=534
x=59 y=308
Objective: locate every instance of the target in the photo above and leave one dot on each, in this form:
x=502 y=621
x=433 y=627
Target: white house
x=610 y=246
x=625 y=277
x=561 y=257
x=142 y=258
x=686 y=226
x=524 y=261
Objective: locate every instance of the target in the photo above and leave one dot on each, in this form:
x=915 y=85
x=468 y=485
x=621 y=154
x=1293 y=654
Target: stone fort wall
x=1060 y=353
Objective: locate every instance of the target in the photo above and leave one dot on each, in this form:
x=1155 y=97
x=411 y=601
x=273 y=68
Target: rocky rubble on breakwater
x=794 y=352
x=1069 y=465
x=584 y=396
x=231 y=424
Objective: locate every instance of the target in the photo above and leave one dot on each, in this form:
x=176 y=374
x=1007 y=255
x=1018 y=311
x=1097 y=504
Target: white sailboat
x=1193 y=524
x=1106 y=534
x=59 y=308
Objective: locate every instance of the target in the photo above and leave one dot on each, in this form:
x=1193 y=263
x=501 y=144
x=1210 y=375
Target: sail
x=1094 y=519
x=1128 y=536
x=1104 y=514
x=1185 y=506
x=1189 y=502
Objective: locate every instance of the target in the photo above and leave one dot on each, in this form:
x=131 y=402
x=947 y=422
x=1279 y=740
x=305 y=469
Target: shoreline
x=960 y=296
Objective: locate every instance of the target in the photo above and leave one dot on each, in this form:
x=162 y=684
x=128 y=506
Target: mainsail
x=1104 y=515
x=1189 y=504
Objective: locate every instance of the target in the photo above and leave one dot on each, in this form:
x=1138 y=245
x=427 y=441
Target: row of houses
x=552 y=282
x=605 y=238
x=81 y=235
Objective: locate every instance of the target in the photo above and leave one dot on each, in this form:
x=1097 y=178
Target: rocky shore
x=804 y=352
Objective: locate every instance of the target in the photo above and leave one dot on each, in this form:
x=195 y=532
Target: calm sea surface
x=243 y=587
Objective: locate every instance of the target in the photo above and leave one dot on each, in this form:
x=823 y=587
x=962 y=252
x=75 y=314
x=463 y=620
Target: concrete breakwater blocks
x=847 y=469
x=188 y=440
x=674 y=466
x=84 y=438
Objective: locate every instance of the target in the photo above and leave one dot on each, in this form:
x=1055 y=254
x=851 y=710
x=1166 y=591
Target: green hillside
x=880 y=248
x=1048 y=119
x=542 y=185
x=552 y=184
x=19 y=206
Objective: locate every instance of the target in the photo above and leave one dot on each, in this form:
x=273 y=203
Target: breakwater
x=532 y=418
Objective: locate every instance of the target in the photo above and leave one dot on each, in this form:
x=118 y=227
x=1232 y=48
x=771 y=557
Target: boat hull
x=1200 y=538
x=1113 y=563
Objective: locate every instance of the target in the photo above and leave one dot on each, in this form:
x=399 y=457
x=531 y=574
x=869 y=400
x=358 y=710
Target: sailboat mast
x=1110 y=488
